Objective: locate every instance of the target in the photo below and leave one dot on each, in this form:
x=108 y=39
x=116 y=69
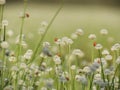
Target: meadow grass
x=88 y=61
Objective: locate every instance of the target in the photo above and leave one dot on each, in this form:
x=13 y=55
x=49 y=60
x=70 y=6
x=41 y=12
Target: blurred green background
x=89 y=15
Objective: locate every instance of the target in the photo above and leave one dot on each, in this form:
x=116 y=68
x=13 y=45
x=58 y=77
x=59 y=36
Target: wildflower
x=4 y=44
x=86 y=69
x=73 y=67
x=78 y=52
x=63 y=78
x=107 y=72
x=49 y=83
x=79 y=32
x=46 y=44
x=41 y=31
x=2 y=2
x=57 y=59
x=108 y=57
x=44 y=24
x=98 y=46
x=23 y=66
x=105 y=52
x=14 y=68
x=9 y=33
x=46 y=51
x=12 y=58
x=97 y=77
x=8 y=88
x=104 y=31
x=81 y=79
x=74 y=36
x=43 y=88
x=115 y=47
x=20 y=82
x=28 y=54
x=67 y=40
x=92 y=36
x=5 y=23
x=118 y=60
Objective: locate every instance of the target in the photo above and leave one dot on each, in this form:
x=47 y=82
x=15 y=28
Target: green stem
x=1 y=18
x=102 y=69
x=91 y=82
x=112 y=84
x=21 y=30
x=41 y=40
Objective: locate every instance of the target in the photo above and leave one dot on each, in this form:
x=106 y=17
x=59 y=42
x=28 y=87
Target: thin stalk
x=21 y=30
x=91 y=82
x=41 y=40
x=112 y=84
x=1 y=19
x=102 y=69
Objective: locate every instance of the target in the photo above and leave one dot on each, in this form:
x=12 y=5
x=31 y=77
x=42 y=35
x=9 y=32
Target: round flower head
x=105 y=52
x=108 y=57
x=4 y=44
x=57 y=59
x=92 y=36
x=104 y=31
x=2 y=2
x=73 y=67
x=10 y=33
x=74 y=36
x=44 y=24
x=5 y=23
x=98 y=46
x=78 y=52
x=79 y=32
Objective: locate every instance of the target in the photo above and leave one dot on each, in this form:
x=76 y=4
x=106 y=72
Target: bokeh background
x=89 y=15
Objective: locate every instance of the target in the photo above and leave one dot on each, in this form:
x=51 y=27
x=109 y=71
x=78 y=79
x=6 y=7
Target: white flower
x=12 y=58
x=104 y=31
x=86 y=69
x=98 y=46
x=97 y=76
x=108 y=57
x=79 y=32
x=105 y=52
x=118 y=60
x=43 y=88
x=28 y=54
x=115 y=47
x=81 y=79
x=41 y=31
x=78 y=52
x=2 y=2
x=4 y=44
x=10 y=33
x=73 y=67
x=57 y=59
x=67 y=40
x=5 y=23
x=14 y=68
x=107 y=72
x=44 y=24
x=8 y=88
x=92 y=36
x=74 y=36
x=46 y=44
x=20 y=82
x=23 y=66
